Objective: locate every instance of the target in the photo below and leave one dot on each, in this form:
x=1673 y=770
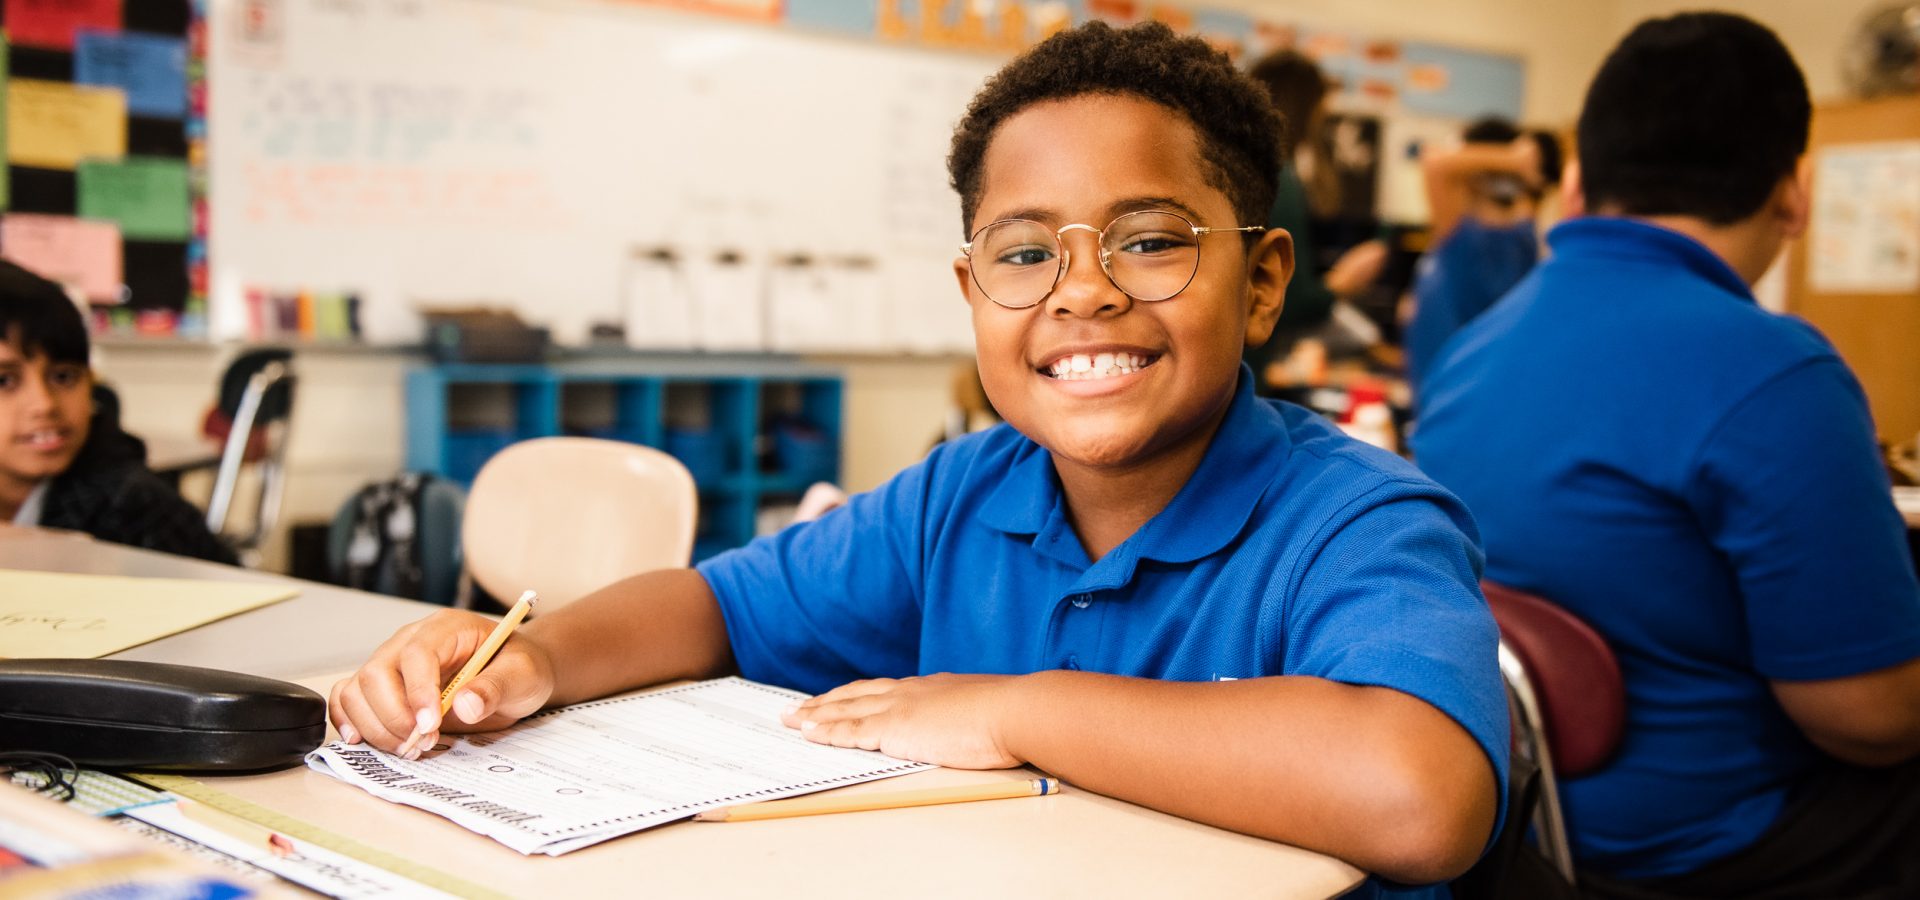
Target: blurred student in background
x=1299 y=91
x=1482 y=199
x=64 y=462
x=1697 y=478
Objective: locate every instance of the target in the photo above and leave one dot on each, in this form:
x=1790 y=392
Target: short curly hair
x=1235 y=119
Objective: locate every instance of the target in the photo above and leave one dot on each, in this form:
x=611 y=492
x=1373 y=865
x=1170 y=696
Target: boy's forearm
x=1447 y=176
x=1476 y=159
x=660 y=626
x=1370 y=775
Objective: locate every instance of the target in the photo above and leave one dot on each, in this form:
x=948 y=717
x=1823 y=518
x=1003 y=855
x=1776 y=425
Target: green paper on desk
x=56 y=615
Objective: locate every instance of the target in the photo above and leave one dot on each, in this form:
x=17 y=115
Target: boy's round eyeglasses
x=1150 y=255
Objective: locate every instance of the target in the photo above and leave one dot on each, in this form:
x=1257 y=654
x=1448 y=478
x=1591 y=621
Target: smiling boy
x=1157 y=586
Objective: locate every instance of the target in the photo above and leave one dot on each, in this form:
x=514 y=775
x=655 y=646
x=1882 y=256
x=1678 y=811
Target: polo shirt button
x=1072 y=662
x=1082 y=601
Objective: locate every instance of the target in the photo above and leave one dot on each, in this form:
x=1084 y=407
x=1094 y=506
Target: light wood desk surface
x=1077 y=844
x=1907 y=500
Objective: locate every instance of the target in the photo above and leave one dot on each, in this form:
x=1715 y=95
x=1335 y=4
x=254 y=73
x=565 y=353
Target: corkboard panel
x=1877 y=334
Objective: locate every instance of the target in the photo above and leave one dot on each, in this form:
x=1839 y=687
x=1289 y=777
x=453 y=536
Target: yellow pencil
x=485 y=654
x=813 y=806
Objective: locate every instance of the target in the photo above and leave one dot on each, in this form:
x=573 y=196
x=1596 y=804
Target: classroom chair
x=400 y=537
x=1568 y=699
x=566 y=516
x=252 y=420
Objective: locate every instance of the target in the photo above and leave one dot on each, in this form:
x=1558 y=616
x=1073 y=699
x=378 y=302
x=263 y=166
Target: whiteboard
x=536 y=154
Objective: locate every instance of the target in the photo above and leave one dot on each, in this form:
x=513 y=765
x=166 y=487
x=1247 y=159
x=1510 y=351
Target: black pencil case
x=122 y=714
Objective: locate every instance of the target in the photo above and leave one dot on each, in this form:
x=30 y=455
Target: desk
x=170 y=457
x=325 y=630
x=1907 y=501
x=1078 y=844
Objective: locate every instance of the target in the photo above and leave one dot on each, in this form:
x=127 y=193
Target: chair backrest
x=257 y=430
x=567 y=516
x=1574 y=676
x=276 y=404
x=400 y=537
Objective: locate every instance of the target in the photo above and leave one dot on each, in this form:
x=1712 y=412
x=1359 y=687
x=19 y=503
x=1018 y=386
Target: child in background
x=64 y=462
x=1313 y=310
x=1483 y=199
x=1148 y=581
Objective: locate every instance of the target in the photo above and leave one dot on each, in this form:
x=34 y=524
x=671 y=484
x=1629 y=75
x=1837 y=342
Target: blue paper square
x=152 y=69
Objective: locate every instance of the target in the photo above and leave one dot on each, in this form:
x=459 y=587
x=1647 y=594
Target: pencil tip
x=711 y=815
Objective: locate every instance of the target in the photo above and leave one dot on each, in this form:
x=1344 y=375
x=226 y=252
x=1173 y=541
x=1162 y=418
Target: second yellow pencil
x=835 y=803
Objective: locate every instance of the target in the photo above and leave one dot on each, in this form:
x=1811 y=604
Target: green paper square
x=147 y=196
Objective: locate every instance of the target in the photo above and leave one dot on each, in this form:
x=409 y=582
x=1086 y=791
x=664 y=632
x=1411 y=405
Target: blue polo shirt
x=1292 y=550
x=1698 y=479
x=1461 y=278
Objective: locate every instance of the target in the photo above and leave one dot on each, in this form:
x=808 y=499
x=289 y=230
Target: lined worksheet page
x=571 y=777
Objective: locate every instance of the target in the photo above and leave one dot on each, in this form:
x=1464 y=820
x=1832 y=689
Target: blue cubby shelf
x=747 y=428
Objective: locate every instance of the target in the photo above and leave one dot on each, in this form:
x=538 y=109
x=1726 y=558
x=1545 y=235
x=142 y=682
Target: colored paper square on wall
x=76 y=252
x=6 y=199
x=146 y=196
x=53 y=23
x=152 y=69
x=54 y=125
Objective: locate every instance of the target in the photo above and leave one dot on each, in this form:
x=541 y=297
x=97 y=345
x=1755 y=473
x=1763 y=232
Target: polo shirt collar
x=1616 y=237
x=1208 y=513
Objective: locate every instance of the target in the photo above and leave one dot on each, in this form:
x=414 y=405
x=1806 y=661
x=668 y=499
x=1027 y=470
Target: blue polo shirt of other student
x=1291 y=550
x=1697 y=478
x=1475 y=265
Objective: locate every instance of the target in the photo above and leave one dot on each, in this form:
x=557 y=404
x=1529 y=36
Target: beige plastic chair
x=566 y=516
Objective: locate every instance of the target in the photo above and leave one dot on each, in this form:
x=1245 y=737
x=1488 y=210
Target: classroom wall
x=1561 y=41
x=1816 y=32
x=1564 y=41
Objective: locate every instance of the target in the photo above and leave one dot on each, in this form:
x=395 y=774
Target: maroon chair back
x=1576 y=678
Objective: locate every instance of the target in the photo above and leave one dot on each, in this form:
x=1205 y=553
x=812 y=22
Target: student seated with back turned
x=1147 y=582
x=1697 y=478
x=65 y=463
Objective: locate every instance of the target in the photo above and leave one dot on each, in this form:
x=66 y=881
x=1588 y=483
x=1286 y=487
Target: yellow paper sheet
x=49 y=614
x=54 y=125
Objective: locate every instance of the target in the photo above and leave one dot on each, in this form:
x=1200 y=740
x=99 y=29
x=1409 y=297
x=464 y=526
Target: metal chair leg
x=1549 y=824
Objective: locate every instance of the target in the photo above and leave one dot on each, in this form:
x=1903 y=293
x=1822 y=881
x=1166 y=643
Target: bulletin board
x=99 y=184
x=1856 y=275
x=577 y=162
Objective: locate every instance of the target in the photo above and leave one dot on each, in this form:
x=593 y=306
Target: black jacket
x=109 y=493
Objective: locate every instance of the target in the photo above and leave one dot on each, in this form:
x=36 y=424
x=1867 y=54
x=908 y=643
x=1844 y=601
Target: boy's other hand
x=393 y=701
x=947 y=720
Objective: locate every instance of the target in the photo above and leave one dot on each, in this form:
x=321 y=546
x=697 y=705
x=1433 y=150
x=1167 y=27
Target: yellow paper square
x=54 y=125
x=55 y=615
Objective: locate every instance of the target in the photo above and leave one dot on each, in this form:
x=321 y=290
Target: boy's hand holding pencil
x=398 y=701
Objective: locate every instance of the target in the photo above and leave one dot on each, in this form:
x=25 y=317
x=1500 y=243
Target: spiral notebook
x=573 y=777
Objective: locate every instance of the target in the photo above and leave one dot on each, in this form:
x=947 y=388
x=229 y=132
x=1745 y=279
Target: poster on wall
x=1865 y=233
